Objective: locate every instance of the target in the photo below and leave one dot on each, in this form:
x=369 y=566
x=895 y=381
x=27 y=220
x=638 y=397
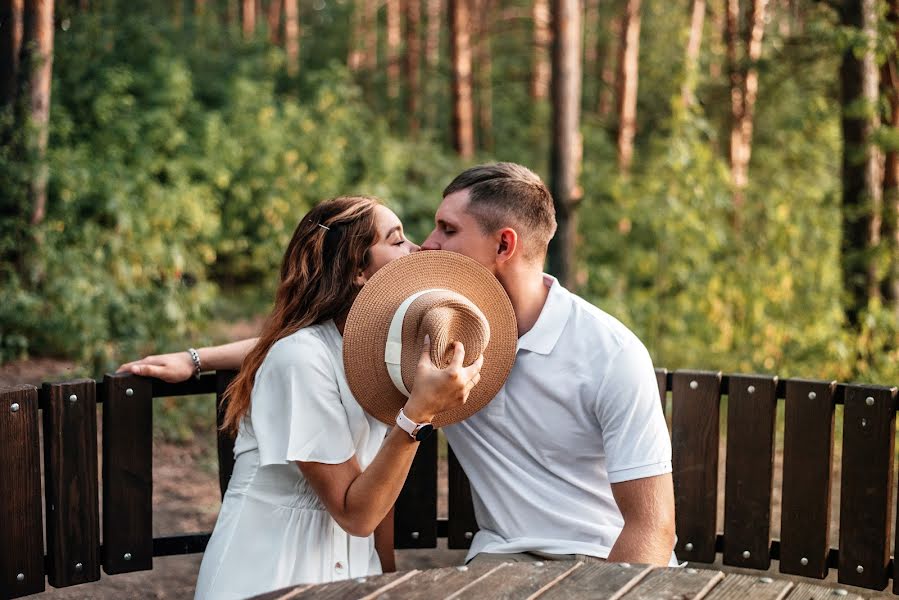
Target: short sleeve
x=634 y=432
x=296 y=411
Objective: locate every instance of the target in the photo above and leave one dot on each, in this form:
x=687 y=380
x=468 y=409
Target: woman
x=314 y=475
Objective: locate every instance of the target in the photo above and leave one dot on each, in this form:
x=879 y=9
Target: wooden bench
x=64 y=416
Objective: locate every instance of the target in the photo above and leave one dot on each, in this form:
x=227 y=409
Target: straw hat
x=444 y=294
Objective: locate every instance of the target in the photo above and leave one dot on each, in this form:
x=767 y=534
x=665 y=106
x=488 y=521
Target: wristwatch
x=417 y=431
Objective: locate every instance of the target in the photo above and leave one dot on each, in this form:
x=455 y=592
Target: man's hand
x=174 y=367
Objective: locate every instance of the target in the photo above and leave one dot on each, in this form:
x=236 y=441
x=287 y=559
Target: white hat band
x=393 y=350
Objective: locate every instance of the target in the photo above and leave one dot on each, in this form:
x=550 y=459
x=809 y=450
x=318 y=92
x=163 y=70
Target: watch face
x=424 y=431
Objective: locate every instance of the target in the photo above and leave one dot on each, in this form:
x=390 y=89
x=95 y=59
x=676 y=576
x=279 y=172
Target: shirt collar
x=543 y=336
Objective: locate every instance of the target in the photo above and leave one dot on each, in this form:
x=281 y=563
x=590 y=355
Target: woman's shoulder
x=311 y=343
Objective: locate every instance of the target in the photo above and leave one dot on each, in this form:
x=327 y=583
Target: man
x=572 y=457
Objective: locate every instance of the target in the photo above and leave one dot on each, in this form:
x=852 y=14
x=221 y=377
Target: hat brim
x=368 y=322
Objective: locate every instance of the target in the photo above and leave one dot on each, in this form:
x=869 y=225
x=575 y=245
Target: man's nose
x=430 y=243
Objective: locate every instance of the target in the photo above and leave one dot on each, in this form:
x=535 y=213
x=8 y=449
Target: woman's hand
x=437 y=390
x=174 y=367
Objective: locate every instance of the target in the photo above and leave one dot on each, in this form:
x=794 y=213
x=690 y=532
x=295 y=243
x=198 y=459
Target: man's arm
x=647 y=506
x=178 y=366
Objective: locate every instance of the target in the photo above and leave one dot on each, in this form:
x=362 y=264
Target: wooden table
x=564 y=580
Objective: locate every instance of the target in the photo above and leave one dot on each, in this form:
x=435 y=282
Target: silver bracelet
x=195 y=356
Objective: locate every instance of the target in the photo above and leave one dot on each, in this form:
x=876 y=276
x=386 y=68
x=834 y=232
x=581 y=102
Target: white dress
x=272 y=530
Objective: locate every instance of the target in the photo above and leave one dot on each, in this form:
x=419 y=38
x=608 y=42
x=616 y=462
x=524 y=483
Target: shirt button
x=338 y=567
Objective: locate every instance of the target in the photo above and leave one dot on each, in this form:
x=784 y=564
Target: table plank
x=738 y=587
x=675 y=584
x=514 y=580
x=809 y=591
x=437 y=583
x=361 y=587
x=597 y=580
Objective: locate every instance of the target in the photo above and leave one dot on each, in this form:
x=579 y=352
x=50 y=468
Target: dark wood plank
x=662 y=382
x=675 y=584
x=21 y=527
x=352 y=588
x=436 y=583
x=415 y=517
x=809 y=591
x=751 y=409
x=515 y=580
x=462 y=524
x=869 y=430
x=127 y=474
x=70 y=471
x=695 y=401
x=757 y=587
x=224 y=440
x=807 y=467
x=597 y=580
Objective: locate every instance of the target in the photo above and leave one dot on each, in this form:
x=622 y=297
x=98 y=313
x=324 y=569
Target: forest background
x=725 y=171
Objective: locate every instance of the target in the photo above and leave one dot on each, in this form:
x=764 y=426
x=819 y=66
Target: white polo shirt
x=579 y=411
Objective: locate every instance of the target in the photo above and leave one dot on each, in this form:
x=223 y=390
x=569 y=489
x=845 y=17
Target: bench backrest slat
x=751 y=411
x=662 y=382
x=415 y=517
x=70 y=471
x=462 y=525
x=224 y=440
x=127 y=474
x=695 y=398
x=869 y=431
x=807 y=467
x=21 y=528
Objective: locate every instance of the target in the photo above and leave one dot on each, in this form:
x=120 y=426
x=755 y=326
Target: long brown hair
x=330 y=246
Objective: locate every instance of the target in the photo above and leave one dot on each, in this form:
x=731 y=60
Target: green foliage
x=178 y=164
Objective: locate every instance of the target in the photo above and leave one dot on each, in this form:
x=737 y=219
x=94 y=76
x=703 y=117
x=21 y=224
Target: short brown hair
x=503 y=194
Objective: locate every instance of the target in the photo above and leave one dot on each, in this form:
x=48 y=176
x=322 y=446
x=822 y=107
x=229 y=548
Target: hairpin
x=324 y=227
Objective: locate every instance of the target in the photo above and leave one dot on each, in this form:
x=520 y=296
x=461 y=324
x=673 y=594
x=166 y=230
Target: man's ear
x=507 y=245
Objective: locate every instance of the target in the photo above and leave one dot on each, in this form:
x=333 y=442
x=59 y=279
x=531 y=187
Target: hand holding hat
x=446 y=388
x=448 y=297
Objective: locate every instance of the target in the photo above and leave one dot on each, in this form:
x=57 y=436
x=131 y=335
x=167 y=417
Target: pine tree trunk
x=11 y=31
x=248 y=14
x=273 y=19
x=354 y=53
x=565 y=159
x=540 y=73
x=485 y=9
x=591 y=35
x=628 y=73
x=37 y=71
x=432 y=86
x=292 y=36
x=694 y=44
x=412 y=63
x=608 y=59
x=394 y=38
x=890 y=86
x=861 y=169
x=432 y=40
x=460 y=56
x=370 y=28
x=744 y=78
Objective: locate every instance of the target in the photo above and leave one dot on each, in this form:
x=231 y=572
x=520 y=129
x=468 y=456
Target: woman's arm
x=178 y=366
x=384 y=543
x=359 y=500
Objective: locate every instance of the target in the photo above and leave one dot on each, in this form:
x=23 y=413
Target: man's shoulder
x=590 y=324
